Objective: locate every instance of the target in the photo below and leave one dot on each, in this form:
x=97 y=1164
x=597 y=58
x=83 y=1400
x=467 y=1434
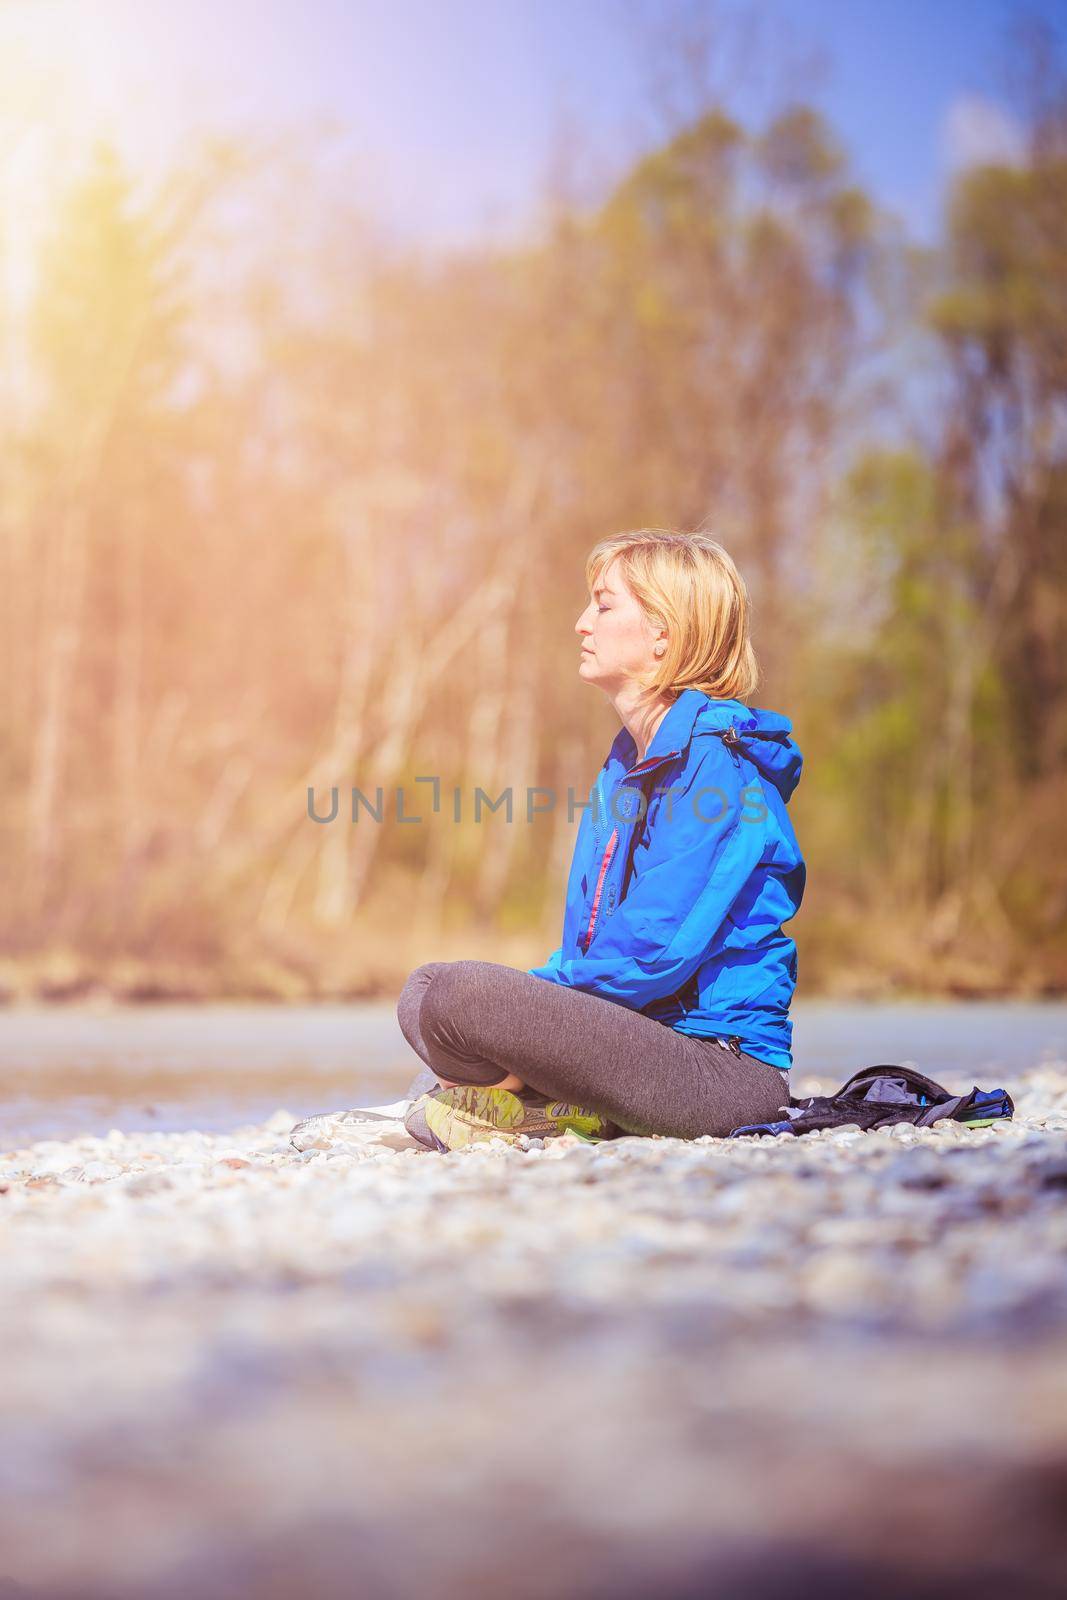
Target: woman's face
x=617 y=638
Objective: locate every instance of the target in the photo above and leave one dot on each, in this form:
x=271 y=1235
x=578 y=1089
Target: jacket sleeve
x=550 y=967
x=688 y=871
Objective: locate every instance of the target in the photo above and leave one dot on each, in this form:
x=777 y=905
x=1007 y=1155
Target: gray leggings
x=476 y=1021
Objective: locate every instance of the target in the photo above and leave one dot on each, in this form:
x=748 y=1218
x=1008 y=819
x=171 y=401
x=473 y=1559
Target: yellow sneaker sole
x=469 y=1114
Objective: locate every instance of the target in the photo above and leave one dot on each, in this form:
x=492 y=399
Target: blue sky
x=452 y=107
x=472 y=91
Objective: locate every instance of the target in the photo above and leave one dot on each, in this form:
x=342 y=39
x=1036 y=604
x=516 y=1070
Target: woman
x=665 y=1009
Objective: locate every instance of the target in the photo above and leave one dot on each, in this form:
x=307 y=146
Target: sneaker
x=416 y=1125
x=472 y=1114
x=328 y=1127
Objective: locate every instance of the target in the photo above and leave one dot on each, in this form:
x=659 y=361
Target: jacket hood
x=763 y=736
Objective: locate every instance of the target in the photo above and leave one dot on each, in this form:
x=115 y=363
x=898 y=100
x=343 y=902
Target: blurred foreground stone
x=832 y=1365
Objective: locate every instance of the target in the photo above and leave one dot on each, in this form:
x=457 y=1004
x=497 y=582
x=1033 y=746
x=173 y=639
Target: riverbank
x=80 y=1069
x=232 y=1366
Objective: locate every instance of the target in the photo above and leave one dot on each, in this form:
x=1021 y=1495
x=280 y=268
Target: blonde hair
x=688 y=584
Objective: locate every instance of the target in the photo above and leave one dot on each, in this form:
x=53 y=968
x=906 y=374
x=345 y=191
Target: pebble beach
x=832 y=1364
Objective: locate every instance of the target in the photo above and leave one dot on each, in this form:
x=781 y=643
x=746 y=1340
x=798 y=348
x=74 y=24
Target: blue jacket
x=685 y=867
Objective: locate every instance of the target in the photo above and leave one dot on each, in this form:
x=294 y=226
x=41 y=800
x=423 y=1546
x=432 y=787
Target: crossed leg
x=408 y=1011
x=478 y=1022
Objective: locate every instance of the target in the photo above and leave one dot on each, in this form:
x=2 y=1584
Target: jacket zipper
x=608 y=853
x=652 y=761
x=609 y=850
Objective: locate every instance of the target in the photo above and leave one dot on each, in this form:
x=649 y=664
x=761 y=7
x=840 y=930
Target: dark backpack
x=877 y=1096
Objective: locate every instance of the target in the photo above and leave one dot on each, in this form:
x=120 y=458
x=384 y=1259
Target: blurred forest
x=284 y=505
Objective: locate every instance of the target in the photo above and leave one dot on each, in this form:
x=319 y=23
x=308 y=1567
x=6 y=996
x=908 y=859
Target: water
x=80 y=1069
x=73 y=1069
